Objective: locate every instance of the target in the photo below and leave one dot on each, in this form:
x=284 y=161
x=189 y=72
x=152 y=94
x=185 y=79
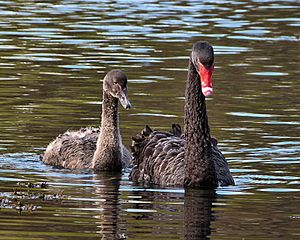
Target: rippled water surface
x=52 y=56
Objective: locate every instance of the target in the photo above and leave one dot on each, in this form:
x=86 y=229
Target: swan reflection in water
x=198 y=213
x=107 y=190
x=150 y=212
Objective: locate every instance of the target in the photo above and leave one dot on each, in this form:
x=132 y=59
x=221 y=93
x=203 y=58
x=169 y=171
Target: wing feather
x=75 y=149
x=158 y=158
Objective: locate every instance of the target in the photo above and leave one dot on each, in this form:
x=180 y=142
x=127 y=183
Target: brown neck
x=110 y=117
x=107 y=156
x=199 y=168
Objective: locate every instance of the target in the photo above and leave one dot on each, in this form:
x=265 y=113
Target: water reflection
x=53 y=54
x=108 y=202
x=198 y=214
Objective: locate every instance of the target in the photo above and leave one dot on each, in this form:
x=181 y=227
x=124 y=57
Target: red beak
x=206 y=80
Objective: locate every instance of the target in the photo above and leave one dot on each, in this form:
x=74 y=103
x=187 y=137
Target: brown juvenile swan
x=192 y=159
x=97 y=148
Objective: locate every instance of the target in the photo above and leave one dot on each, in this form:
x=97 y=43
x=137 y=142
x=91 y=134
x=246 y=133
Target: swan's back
x=158 y=158
x=73 y=149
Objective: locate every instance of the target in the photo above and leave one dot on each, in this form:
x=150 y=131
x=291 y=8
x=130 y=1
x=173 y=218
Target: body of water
x=53 y=55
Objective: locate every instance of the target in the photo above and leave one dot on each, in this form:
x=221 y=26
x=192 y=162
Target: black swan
x=191 y=159
x=97 y=148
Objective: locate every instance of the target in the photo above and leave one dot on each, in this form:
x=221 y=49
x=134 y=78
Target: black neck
x=199 y=168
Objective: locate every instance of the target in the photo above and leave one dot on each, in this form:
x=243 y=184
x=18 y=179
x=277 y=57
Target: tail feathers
x=147 y=131
x=176 y=129
x=137 y=142
x=140 y=140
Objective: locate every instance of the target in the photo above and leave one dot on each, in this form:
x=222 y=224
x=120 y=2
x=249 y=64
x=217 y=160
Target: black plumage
x=191 y=159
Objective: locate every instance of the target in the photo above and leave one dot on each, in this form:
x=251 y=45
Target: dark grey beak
x=124 y=100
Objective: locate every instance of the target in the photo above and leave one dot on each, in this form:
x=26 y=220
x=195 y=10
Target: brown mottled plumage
x=191 y=159
x=97 y=148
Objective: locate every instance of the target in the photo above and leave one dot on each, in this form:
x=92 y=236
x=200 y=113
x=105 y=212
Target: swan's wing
x=75 y=149
x=158 y=158
x=126 y=157
x=72 y=149
x=221 y=166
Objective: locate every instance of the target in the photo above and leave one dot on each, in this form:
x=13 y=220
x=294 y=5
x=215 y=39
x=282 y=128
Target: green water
x=53 y=55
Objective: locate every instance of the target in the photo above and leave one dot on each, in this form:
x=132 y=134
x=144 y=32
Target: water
x=53 y=54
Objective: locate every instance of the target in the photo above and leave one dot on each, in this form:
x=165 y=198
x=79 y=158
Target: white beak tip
x=208 y=92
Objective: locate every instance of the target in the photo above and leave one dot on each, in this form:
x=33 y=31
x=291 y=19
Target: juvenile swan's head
x=115 y=84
